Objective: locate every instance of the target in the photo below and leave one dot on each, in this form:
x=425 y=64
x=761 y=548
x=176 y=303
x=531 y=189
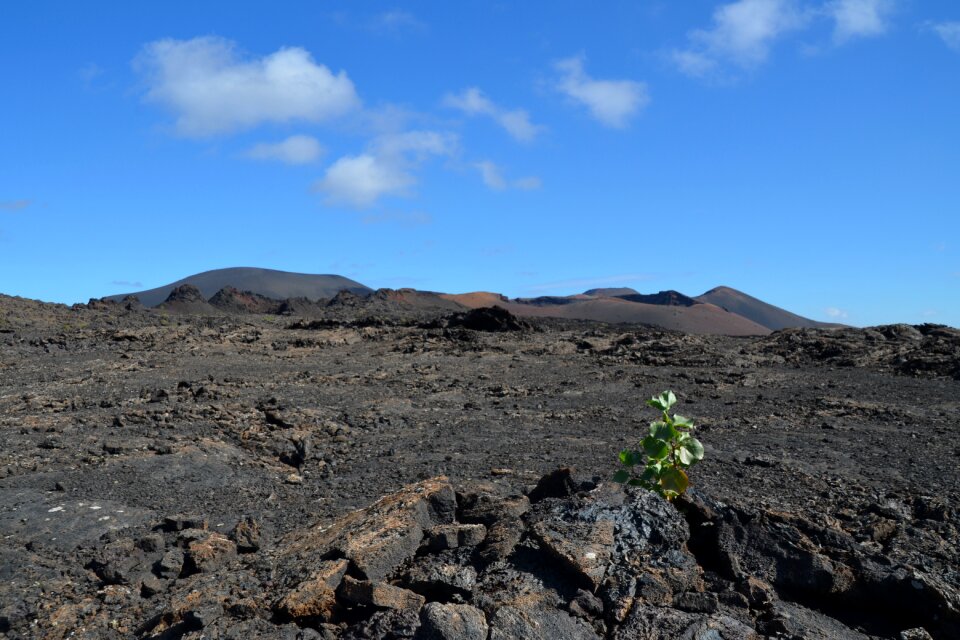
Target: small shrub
x=664 y=454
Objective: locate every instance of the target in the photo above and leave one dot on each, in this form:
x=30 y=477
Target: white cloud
x=493 y=177
x=530 y=183
x=693 y=63
x=611 y=102
x=294 y=150
x=419 y=143
x=742 y=33
x=836 y=314
x=211 y=90
x=859 y=18
x=396 y=21
x=473 y=102
x=949 y=32
x=15 y=205
x=491 y=174
x=385 y=170
x=89 y=72
x=359 y=181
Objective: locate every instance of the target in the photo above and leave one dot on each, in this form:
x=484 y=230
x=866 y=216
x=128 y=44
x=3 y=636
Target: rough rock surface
x=166 y=475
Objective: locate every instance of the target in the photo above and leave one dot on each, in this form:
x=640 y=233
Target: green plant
x=665 y=453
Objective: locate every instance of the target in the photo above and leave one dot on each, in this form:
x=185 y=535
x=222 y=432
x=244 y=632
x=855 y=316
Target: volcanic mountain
x=722 y=310
x=667 y=309
x=757 y=310
x=278 y=285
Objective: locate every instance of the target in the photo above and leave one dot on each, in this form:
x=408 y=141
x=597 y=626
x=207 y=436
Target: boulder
x=439 y=621
x=376 y=539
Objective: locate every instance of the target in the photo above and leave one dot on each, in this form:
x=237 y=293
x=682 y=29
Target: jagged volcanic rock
x=230 y=299
x=669 y=298
x=598 y=562
x=493 y=319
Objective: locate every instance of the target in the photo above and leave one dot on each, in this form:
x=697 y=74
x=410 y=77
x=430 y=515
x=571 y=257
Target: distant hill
x=278 y=285
x=669 y=298
x=697 y=318
x=757 y=310
x=611 y=292
x=722 y=310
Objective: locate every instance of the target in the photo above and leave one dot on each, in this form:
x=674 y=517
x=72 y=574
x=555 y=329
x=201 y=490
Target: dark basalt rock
x=185 y=293
x=232 y=299
x=494 y=319
x=826 y=506
x=669 y=298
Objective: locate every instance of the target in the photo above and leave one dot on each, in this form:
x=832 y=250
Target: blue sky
x=805 y=152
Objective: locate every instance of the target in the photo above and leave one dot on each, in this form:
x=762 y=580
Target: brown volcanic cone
x=698 y=318
x=758 y=311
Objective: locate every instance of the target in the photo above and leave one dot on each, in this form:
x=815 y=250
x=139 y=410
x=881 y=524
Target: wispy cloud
x=835 y=313
x=402 y=218
x=492 y=175
x=949 y=32
x=15 y=205
x=212 y=90
x=397 y=21
x=859 y=18
x=386 y=169
x=88 y=73
x=473 y=102
x=611 y=102
x=299 y=149
x=580 y=284
x=742 y=33
x=530 y=183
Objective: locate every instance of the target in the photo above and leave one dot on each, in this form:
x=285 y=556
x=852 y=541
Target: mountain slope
x=270 y=283
x=698 y=318
x=758 y=311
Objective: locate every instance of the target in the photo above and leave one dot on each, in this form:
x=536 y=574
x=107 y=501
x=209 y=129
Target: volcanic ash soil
x=165 y=475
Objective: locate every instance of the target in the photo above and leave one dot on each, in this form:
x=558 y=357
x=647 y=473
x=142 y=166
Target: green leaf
x=662 y=431
x=686 y=459
x=681 y=421
x=637 y=482
x=656 y=404
x=626 y=458
x=655 y=448
x=675 y=480
x=693 y=446
x=621 y=476
x=667 y=399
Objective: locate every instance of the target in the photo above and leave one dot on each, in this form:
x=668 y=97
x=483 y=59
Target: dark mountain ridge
x=270 y=283
x=721 y=310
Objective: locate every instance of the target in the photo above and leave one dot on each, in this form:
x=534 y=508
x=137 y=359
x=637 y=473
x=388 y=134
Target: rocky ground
x=167 y=475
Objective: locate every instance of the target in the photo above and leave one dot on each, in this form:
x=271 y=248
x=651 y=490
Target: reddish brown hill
x=698 y=318
x=758 y=311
